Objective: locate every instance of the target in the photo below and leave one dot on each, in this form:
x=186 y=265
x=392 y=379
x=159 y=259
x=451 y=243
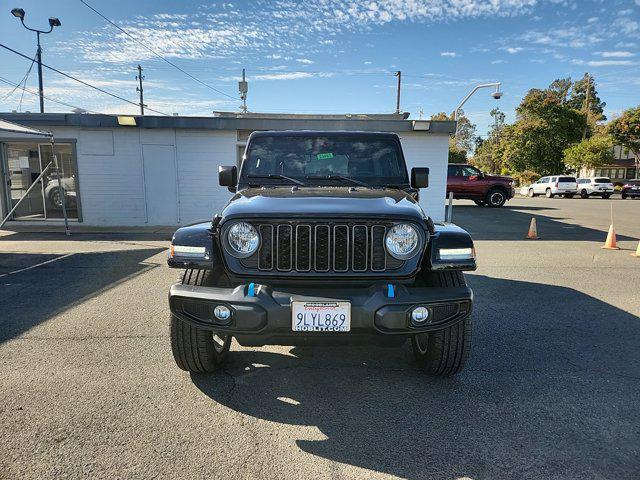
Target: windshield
x=324 y=160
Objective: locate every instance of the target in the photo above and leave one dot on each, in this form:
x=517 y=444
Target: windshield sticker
x=324 y=156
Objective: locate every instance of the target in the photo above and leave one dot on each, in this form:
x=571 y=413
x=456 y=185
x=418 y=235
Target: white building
x=153 y=170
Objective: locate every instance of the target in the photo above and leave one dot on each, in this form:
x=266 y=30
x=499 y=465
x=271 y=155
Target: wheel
x=480 y=203
x=584 y=194
x=531 y=194
x=624 y=196
x=195 y=349
x=548 y=193
x=495 y=198
x=569 y=195
x=606 y=195
x=445 y=351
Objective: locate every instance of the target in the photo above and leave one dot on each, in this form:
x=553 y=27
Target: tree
x=488 y=155
x=578 y=97
x=466 y=132
x=456 y=155
x=544 y=128
x=625 y=131
x=593 y=152
x=560 y=88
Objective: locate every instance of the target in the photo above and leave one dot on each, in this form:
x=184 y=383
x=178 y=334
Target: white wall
x=200 y=152
x=428 y=150
x=112 y=184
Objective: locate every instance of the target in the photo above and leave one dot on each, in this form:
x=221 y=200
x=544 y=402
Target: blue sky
x=329 y=56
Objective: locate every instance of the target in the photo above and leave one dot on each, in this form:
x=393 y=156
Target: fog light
x=222 y=312
x=419 y=315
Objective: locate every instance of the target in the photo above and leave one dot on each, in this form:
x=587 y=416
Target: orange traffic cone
x=637 y=254
x=610 y=243
x=532 y=234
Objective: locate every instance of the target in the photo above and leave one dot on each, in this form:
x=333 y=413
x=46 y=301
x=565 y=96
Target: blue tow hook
x=251 y=291
x=391 y=293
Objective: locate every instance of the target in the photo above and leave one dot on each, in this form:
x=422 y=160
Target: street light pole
x=497 y=94
x=53 y=22
x=40 y=87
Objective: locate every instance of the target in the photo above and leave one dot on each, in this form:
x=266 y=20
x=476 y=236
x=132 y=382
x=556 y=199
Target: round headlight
x=243 y=239
x=402 y=241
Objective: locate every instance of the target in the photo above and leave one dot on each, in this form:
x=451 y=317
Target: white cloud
x=448 y=54
x=592 y=19
x=497 y=62
x=616 y=54
x=367 y=62
x=262 y=28
x=306 y=61
x=603 y=63
x=512 y=50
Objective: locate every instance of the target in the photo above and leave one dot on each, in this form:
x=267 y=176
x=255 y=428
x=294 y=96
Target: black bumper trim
x=265 y=318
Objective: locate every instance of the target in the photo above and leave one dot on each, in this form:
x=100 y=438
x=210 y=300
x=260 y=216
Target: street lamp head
x=18 y=13
x=496 y=95
x=54 y=22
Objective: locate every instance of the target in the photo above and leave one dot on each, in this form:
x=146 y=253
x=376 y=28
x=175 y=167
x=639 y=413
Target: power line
x=8 y=82
x=82 y=81
x=23 y=80
x=148 y=48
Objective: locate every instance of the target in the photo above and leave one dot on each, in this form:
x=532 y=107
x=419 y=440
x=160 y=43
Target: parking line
x=37 y=265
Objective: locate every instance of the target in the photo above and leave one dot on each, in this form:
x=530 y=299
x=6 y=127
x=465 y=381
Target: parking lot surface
x=552 y=388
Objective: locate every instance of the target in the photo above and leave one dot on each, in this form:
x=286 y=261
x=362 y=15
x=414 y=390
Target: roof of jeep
x=322 y=133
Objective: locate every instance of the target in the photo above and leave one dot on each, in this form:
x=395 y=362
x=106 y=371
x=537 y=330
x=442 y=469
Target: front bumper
x=262 y=316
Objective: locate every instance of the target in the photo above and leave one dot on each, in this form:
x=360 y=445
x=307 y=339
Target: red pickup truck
x=466 y=181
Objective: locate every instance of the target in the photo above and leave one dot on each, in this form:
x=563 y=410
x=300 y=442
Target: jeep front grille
x=322 y=247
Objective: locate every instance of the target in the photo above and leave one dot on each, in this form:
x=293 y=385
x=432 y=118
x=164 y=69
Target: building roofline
x=361 y=122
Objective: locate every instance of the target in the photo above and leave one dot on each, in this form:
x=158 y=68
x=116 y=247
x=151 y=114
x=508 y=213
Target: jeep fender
x=195 y=246
x=449 y=236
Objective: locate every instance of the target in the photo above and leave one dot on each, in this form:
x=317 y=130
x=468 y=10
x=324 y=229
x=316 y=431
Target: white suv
x=601 y=186
x=556 y=185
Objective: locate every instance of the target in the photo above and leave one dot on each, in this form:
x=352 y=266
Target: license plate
x=320 y=316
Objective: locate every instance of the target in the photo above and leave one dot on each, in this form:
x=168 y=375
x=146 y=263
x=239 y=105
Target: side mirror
x=419 y=177
x=228 y=177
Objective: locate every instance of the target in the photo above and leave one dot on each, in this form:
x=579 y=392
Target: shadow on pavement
x=547 y=394
x=31 y=297
x=509 y=223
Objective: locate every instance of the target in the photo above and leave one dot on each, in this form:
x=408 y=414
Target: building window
x=25 y=163
x=631 y=173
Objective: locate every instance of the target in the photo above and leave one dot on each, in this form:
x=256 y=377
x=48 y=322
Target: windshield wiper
x=338 y=177
x=279 y=176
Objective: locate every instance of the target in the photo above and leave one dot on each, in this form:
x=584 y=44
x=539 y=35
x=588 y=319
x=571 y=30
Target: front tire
x=195 y=349
x=495 y=198
x=444 y=352
x=624 y=197
x=531 y=194
x=606 y=196
x=548 y=193
x=584 y=194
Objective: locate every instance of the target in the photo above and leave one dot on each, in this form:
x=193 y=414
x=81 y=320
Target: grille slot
x=321 y=247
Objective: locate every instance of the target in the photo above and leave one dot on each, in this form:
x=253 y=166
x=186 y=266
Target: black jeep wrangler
x=323 y=242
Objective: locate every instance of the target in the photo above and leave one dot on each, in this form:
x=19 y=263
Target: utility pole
x=587 y=106
x=243 y=87
x=140 y=77
x=399 y=75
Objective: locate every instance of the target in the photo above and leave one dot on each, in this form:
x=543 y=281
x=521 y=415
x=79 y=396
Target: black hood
x=323 y=202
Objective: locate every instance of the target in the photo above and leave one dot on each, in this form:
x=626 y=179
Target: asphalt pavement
x=89 y=388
